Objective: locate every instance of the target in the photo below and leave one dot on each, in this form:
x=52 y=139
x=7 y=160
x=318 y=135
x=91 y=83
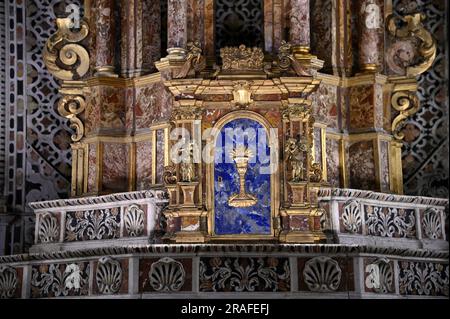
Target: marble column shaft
x=141 y=36
x=371 y=34
x=105 y=44
x=299 y=17
x=151 y=34
x=177 y=32
x=196 y=21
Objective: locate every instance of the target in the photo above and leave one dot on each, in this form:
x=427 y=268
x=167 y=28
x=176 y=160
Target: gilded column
x=105 y=46
x=371 y=34
x=299 y=29
x=177 y=32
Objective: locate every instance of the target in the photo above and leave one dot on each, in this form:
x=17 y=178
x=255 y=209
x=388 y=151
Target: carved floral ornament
x=242 y=58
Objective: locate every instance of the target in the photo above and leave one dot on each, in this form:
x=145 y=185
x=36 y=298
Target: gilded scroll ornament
x=194 y=60
x=63 y=55
x=71 y=106
x=407 y=104
x=412 y=28
x=242 y=58
x=316 y=174
x=287 y=61
x=170 y=175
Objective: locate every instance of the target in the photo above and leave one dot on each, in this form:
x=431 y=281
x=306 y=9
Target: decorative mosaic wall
x=48 y=141
x=425 y=155
x=2 y=95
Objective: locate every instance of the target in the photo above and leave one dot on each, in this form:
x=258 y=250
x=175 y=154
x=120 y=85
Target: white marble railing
x=95 y=220
x=369 y=218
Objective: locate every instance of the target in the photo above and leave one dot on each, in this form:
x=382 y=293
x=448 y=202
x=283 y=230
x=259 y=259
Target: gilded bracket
x=71 y=106
x=408 y=31
x=64 y=56
x=414 y=29
x=67 y=60
x=407 y=104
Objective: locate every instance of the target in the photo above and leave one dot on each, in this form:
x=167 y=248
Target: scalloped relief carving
x=322 y=274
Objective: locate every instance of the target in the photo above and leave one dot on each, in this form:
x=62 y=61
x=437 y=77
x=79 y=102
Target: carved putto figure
x=187 y=167
x=194 y=60
x=294 y=155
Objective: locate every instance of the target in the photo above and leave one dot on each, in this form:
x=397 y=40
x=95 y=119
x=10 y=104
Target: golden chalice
x=241 y=157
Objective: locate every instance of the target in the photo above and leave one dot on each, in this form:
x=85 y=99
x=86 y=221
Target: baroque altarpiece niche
x=211 y=147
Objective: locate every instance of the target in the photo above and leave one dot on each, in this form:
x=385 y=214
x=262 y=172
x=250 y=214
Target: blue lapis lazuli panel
x=256 y=219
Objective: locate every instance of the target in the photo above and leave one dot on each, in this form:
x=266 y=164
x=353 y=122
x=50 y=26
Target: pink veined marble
x=299 y=23
x=105 y=33
x=177 y=24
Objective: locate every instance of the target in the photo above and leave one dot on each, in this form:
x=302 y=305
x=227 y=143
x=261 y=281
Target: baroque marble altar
x=315 y=209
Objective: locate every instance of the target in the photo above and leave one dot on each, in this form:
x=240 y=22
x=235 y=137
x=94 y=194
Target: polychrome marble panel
x=256 y=219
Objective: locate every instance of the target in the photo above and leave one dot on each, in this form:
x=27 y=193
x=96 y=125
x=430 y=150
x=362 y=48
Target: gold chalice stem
x=241 y=164
x=242 y=199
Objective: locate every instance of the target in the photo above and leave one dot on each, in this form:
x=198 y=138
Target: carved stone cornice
x=157 y=194
x=157 y=249
x=327 y=193
x=223 y=90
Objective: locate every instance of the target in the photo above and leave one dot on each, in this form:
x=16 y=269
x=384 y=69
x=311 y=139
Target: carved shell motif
x=322 y=274
x=48 y=229
x=351 y=217
x=380 y=276
x=134 y=221
x=386 y=277
x=431 y=224
x=167 y=275
x=8 y=282
x=108 y=276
